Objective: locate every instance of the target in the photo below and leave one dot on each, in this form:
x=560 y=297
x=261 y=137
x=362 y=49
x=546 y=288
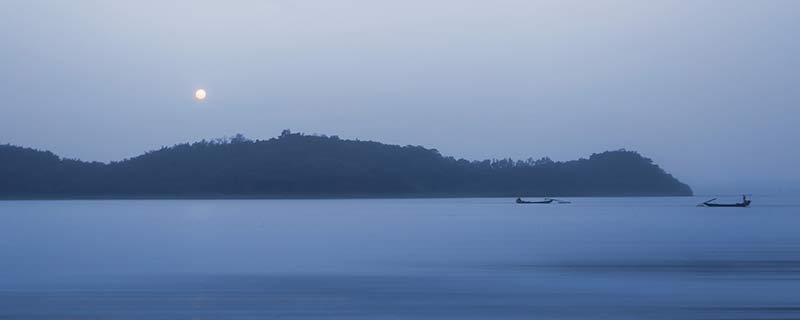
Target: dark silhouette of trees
x=299 y=165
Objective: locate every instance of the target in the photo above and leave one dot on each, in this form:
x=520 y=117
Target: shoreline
x=309 y=197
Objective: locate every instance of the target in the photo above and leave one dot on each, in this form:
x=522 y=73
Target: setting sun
x=200 y=94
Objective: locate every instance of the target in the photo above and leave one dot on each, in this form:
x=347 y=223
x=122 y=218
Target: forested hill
x=298 y=165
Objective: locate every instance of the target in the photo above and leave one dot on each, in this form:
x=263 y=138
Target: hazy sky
x=708 y=89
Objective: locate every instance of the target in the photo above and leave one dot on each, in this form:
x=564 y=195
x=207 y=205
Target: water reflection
x=397 y=259
x=303 y=296
x=768 y=269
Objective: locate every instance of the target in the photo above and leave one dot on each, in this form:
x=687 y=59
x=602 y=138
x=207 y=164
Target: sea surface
x=481 y=258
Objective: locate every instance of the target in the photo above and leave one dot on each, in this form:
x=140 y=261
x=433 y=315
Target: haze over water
x=599 y=258
x=707 y=89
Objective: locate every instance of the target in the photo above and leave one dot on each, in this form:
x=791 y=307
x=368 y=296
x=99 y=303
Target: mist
x=705 y=88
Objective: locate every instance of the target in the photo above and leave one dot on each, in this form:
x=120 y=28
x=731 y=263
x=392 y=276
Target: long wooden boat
x=745 y=203
x=546 y=201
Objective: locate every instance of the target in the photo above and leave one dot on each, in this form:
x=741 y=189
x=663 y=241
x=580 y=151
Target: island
x=296 y=165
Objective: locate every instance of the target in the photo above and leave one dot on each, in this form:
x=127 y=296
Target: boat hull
x=730 y=205
x=535 y=202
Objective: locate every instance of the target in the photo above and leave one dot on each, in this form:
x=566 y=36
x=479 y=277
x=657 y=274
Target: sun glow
x=200 y=94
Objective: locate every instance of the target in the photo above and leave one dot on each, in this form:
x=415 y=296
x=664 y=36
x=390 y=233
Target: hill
x=298 y=165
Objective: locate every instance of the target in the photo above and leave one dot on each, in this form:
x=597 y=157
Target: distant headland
x=295 y=165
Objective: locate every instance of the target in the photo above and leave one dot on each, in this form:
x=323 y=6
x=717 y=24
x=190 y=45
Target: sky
x=707 y=89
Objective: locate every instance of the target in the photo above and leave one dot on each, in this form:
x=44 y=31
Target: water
x=597 y=258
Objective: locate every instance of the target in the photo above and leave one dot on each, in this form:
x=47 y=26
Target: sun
x=200 y=94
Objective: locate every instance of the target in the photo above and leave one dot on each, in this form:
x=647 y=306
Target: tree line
x=300 y=165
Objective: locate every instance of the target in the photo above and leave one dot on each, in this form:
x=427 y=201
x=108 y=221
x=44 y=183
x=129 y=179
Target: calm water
x=598 y=258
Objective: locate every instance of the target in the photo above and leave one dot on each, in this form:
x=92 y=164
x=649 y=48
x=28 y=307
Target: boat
x=546 y=201
x=745 y=203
